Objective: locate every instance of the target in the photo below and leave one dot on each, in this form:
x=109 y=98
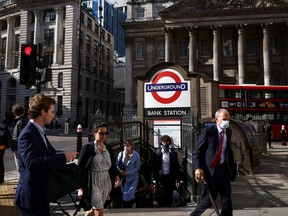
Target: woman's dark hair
x=17 y=110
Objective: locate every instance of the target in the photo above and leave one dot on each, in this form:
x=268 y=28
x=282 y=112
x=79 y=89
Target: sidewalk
x=262 y=193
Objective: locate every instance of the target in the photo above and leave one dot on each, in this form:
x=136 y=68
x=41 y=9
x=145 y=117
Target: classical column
x=36 y=27
x=241 y=55
x=168 y=38
x=192 y=50
x=9 y=42
x=216 y=53
x=57 y=36
x=266 y=55
x=128 y=108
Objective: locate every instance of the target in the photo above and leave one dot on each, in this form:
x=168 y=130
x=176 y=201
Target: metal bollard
x=79 y=139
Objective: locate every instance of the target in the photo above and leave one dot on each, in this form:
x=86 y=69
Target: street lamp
x=99 y=49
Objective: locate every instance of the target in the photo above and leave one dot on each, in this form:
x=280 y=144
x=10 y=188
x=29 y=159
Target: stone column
x=241 y=54
x=193 y=65
x=216 y=53
x=168 y=38
x=128 y=108
x=57 y=36
x=36 y=28
x=266 y=55
x=9 y=42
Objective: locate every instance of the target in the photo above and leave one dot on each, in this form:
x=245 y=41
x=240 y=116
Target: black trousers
x=2 y=171
x=218 y=184
x=166 y=186
x=43 y=211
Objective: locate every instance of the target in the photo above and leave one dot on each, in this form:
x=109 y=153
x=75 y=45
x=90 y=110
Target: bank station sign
x=166 y=95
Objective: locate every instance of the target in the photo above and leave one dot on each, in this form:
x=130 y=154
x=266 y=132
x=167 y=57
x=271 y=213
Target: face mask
x=165 y=147
x=127 y=148
x=224 y=124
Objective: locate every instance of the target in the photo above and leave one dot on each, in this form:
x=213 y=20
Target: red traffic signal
x=28 y=64
x=27 y=49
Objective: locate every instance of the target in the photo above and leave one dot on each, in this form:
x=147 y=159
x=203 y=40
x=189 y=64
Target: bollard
x=66 y=128
x=79 y=139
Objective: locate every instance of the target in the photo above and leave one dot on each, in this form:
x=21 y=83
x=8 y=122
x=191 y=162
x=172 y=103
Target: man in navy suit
x=36 y=155
x=166 y=172
x=217 y=171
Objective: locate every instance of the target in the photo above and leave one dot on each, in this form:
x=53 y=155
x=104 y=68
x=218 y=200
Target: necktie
x=217 y=157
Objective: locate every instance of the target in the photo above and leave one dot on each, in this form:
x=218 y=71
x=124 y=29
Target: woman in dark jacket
x=98 y=162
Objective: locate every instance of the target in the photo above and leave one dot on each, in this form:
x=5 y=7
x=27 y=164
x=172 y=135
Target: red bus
x=261 y=102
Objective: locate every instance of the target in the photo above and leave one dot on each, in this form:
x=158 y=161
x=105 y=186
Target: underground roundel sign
x=167 y=88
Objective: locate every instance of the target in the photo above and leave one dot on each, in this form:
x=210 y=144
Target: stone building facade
x=75 y=85
x=232 y=41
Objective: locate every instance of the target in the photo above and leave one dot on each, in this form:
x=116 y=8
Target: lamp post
x=99 y=49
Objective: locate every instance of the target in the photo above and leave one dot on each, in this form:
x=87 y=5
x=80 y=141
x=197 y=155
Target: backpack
x=5 y=136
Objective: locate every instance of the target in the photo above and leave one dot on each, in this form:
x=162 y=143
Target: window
x=16 y=61
x=205 y=48
x=48 y=37
x=108 y=55
x=49 y=15
x=82 y=18
x=17 y=42
x=60 y=80
x=95 y=86
x=161 y=50
x=250 y=46
x=183 y=49
x=227 y=47
x=88 y=43
x=3 y=45
x=140 y=51
x=2 y=63
x=87 y=63
x=4 y=25
x=89 y=23
x=94 y=66
x=17 y=21
x=95 y=48
x=274 y=45
x=87 y=84
x=140 y=12
x=96 y=29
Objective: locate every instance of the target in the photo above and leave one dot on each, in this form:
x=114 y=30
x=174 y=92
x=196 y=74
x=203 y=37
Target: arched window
x=60 y=80
x=11 y=83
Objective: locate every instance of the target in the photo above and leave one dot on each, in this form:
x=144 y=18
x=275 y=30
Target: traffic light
x=28 y=64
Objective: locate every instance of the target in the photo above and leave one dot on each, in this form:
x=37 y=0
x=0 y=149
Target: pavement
x=264 y=191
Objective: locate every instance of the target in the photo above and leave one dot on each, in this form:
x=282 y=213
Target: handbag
x=62 y=181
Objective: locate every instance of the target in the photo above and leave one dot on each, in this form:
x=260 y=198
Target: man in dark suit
x=165 y=172
x=35 y=156
x=214 y=162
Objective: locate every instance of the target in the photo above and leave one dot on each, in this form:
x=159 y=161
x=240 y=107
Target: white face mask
x=127 y=148
x=224 y=124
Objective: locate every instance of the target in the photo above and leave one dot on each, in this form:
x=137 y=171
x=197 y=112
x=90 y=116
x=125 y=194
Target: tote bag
x=62 y=181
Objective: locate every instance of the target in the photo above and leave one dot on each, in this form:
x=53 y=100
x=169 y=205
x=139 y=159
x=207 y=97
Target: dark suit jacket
x=34 y=160
x=206 y=149
x=157 y=164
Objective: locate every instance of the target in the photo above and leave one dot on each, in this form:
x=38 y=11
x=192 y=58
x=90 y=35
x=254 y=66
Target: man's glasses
x=103 y=133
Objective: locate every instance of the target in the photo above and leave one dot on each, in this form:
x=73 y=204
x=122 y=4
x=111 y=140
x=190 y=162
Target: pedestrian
x=214 y=163
x=97 y=160
x=283 y=135
x=21 y=121
x=5 y=142
x=268 y=134
x=128 y=165
x=141 y=195
x=251 y=125
x=165 y=172
x=35 y=156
